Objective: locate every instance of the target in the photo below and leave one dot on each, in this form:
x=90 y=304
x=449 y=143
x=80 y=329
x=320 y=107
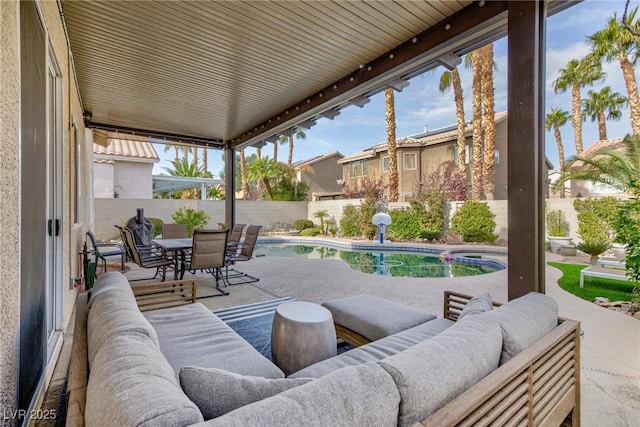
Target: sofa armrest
x=153 y=296
x=541 y=385
x=454 y=302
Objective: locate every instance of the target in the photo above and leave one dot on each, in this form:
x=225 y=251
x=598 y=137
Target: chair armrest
x=153 y=296
x=454 y=302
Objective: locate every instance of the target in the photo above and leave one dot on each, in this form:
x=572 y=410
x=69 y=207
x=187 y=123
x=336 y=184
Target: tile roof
x=610 y=144
x=317 y=158
x=436 y=136
x=130 y=146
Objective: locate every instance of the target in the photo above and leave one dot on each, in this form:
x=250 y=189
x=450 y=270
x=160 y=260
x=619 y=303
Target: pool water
x=388 y=263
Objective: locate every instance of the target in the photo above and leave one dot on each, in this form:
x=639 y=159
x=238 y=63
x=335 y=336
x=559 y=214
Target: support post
x=526 y=32
x=229 y=185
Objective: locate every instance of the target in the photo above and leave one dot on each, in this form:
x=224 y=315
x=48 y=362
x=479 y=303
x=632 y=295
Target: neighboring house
x=124 y=167
x=322 y=174
x=580 y=188
x=555 y=194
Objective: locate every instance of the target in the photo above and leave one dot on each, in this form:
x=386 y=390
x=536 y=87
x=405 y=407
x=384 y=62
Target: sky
x=421 y=104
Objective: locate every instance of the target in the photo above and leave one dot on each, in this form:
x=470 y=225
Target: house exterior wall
x=324 y=176
x=133 y=180
x=103 y=180
x=72 y=227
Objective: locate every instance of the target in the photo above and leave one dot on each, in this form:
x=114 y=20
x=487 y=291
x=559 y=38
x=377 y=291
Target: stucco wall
x=103 y=185
x=9 y=206
x=133 y=180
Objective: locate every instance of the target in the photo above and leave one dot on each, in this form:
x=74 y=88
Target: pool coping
x=447 y=254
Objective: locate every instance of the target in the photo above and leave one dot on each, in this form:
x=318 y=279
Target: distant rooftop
x=130 y=146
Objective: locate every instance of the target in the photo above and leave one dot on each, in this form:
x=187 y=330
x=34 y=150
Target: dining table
x=177 y=247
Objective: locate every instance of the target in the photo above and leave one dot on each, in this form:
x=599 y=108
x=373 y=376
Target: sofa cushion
x=131 y=384
x=363 y=395
x=191 y=335
x=525 y=320
x=111 y=315
x=477 y=305
x=361 y=314
x=217 y=392
x=432 y=373
x=376 y=350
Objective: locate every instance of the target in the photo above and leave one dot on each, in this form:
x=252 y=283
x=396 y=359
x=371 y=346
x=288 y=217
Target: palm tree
x=205 y=161
x=321 y=215
x=476 y=156
x=299 y=134
x=576 y=75
x=194 y=150
x=597 y=103
x=488 y=104
x=618 y=169
x=264 y=170
x=390 y=115
x=177 y=149
x=183 y=167
x=556 y=119
x=450 y=79
x=616 y=43
x=244 y=186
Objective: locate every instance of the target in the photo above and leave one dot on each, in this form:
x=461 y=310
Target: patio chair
x=174 y=231
x=245 y=254
x=102 y=255
x=234 y=239
x=208 y=253
x=145 y=260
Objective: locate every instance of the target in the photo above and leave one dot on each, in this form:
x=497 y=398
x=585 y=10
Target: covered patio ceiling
x=236 y=73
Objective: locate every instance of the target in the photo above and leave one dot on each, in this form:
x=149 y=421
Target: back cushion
x=131 y=384
x=523 y=321
x=363 y=395
x=113 y=283
x=432 y=373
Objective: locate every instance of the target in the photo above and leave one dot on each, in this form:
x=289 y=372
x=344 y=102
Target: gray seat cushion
x=131 y=384
x=217 y=392
x=377 y=350
x=374 y=317
x=362 y=395
x=523 y=321
x=191 y=335
x=432 y=373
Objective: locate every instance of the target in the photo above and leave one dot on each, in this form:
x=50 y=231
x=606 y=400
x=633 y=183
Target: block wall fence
x=275 y=216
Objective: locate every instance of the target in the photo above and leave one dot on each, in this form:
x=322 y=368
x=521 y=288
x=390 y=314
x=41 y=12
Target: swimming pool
x=389 y=263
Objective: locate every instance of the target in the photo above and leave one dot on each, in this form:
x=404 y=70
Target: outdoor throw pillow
x=216 y=391
x=477 y=305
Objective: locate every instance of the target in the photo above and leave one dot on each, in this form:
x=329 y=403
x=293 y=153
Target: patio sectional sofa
x=149 y=355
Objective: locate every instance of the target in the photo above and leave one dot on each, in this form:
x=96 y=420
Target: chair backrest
x=209 y=248
x=236 y=233
x=124 y=242
x=92 y=239
x=174 y=231
x=250 y=239
x=129 y=242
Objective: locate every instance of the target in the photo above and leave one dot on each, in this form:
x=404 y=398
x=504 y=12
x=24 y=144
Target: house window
x=466 y=155
x=409 y=161
x=496 y=159
x=357 y=169
x=385 y=164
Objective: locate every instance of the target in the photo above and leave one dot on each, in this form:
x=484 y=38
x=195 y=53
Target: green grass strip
x=615 y=290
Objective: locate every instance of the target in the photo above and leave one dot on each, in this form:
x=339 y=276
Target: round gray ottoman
x=302 y=334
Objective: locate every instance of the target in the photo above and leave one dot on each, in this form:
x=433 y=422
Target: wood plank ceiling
x=218 y=72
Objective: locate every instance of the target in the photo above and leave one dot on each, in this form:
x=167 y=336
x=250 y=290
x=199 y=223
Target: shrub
x=404 y=225
x=349 y=221
x=431 y=214
x=474 y=222
x=595 y=218
x=627 y=227
x=368 y=208
x=157 y=226
x=594 y=247
x=310 y=231
x=557 y=225
x=301 y=224
x=193 y=219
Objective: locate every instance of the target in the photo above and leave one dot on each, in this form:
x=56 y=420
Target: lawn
x=615 y=290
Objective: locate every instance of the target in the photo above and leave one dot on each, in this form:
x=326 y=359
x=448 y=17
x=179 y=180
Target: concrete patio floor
x=610 y=352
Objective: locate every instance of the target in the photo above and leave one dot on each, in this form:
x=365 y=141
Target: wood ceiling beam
x=410 y=53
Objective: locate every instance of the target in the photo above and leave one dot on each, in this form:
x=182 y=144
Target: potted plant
x=594 y=248
x=558 y=229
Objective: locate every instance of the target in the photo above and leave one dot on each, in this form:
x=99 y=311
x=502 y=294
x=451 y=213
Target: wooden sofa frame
x=538 y=387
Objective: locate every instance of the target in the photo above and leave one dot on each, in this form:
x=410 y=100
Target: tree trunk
x=461 y=141
x=267 y=186
x=391 y=144
x=632 y=93
x=243 y=176
x=577 y=118
x=205 y=161
x=602 y=125
x=275 y=150
x=195 y=160
x=290 y=158
x=476 y=166
x=488 y=100
x=556 y=132
x=177 y=148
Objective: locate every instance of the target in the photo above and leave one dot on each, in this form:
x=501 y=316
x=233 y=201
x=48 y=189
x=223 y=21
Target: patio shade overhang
x=236 y=73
